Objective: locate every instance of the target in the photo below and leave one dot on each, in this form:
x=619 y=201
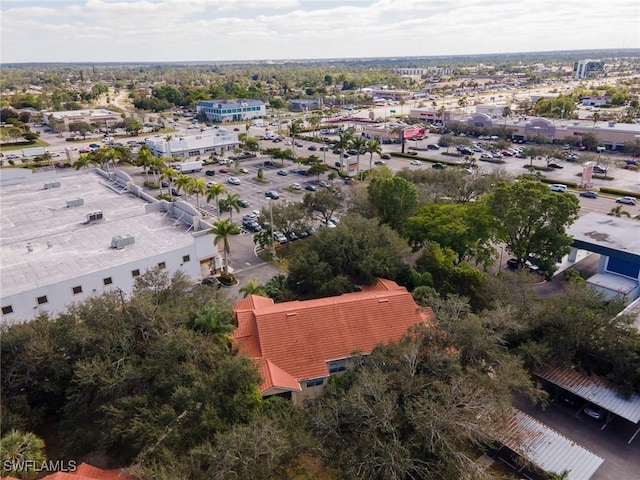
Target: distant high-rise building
x=587 y=68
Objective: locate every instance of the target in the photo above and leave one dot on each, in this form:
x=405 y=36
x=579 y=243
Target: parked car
x=412 y=152
x=555 y=165
x=243 y=203
x=626 y=200
x=592 y=411
x=233 y=181
x=224 y=170
x=589 y=194
x=291 y=236
x=211 y=281
x=311 y=188
x=433 y=146
x=485 y=156
x=252 y=226
x=210 y=173
x=439 y=166
x=295 y=186
x=313 y=148
x=600 y=170
x=175 y=193
x=243 y=170
x=272 y=194
x=279 y=237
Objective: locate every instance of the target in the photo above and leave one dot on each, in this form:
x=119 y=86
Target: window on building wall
x=6 y=310
x=315 y=382
x=338 y=366
x=107 y=281
x=162 y=265
x=42 y=300
x=135 y=273
x=186 y=258
x=76 y=290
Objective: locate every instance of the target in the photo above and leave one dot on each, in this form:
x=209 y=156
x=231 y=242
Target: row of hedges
x=615 y=191
x=491 y=160
x=551 y=180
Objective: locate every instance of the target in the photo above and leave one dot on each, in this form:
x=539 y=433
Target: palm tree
x=223 y=229
x=83 y=162
x=214 y=191
x=211 y=321
x=358 y=143
x=168 y=173
x=315 y=120
x=145 y=158
x=111 y=155
x=182 y=182
x=156 y=165
x=197 y=186
x=253 y=287
x=231 y=201
x=372 y=146
x=22 y=452
x=564 y=475
x=294 y=129
x=618 y=212
x=344 y=140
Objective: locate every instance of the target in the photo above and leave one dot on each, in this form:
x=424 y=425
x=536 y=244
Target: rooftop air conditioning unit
x=75 y=202
x=94 y=216
x=49 y=185
x=122 y=241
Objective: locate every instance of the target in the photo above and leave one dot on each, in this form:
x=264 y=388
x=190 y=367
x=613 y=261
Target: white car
x=233 y=181
x=558 y=187
x=296 y=186
x=626 y=200
x=416 y=162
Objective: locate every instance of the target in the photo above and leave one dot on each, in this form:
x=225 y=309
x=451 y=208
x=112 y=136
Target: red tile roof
x=273 y=377
x=300 y=336
x=89 y=472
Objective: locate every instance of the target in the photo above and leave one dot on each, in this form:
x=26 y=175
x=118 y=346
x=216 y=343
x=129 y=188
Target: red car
x=506 y=153
x=224 y=170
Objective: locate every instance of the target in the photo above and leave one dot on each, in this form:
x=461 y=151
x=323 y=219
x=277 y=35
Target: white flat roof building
x=76 y=234
x=95 y=115
x=201 y=145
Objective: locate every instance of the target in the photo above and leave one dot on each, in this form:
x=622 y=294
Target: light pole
x=273 y=240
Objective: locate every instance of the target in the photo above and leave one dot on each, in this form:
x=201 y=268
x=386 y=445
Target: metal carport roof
x=548 y=449
x=595 y=389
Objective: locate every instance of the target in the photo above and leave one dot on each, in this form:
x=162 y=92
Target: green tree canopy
x=393 y=198
x=531 y=220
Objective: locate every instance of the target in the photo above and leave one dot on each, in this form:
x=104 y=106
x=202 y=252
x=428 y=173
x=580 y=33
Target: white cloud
x=209 y=30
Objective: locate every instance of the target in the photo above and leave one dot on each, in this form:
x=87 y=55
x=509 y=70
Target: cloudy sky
x=214 y=30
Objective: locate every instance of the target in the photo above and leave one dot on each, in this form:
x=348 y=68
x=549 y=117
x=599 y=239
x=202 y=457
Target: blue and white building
x=221 y=111
x=617 y=241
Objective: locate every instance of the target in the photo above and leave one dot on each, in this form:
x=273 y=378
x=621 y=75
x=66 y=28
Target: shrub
x=622 y=193
x=228 y=280
x=151 y=185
